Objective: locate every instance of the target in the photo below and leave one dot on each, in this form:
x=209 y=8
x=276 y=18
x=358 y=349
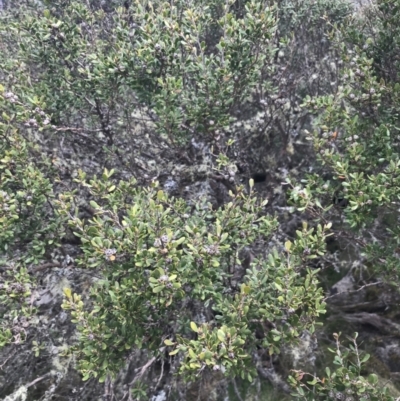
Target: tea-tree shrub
x=355 y=183
x=357 y=140
x=269 y=127
x=177 y=279
x=30 y=228
x=186 y=65
x=172 y=276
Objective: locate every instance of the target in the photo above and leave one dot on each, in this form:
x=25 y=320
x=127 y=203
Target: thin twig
x=38 y=380
x=353 y=291
x=142 y=370
x=235 y=387
x=162 y=372
x=12 y=354
x=45 y=266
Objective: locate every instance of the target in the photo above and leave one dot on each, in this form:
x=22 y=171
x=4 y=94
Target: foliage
x=356 y=183
x=25 y=190
x=186 y=281
x=345 y=382
x=29 y=226
x=304 y=64
x=158 y=257
x=357 y=141
x=190 y=64
x=139 y=391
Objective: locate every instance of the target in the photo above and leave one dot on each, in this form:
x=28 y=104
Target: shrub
x=30 y=228
x=173 y=276
x=189 y=64
x=181 y=280
x=357 y=143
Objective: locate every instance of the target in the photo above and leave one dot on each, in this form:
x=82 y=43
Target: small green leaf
x=221 y=336
x=372 y=378
x=179 y=241
x=67 y=292
x=195 y=365
x=86 y=377
x=160 y=195
x=193 y=326
x=246 y=289
x=94 y=204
